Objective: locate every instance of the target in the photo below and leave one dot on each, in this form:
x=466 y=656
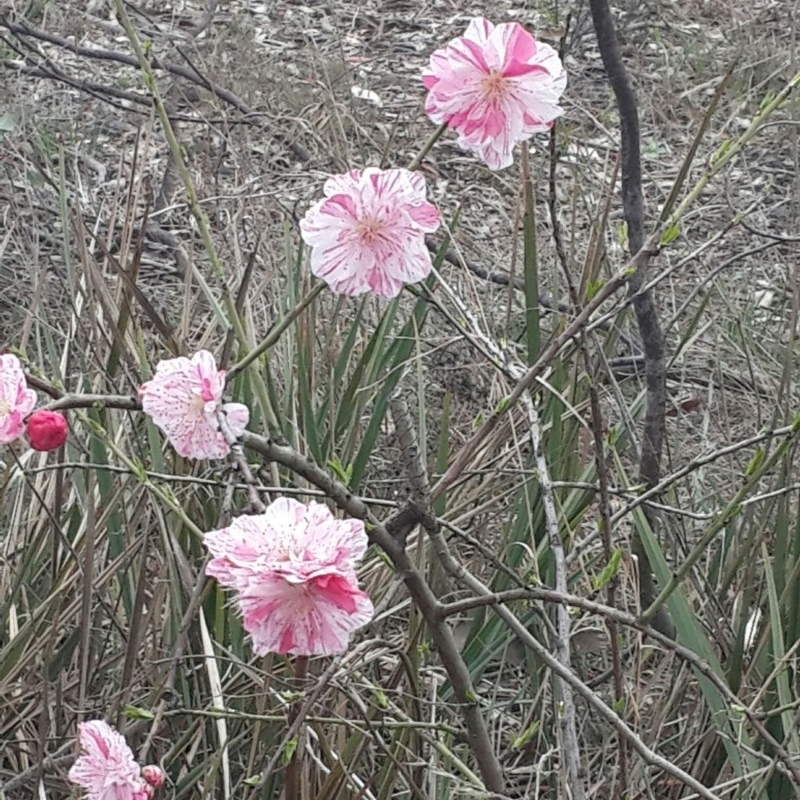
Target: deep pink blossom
x=16 y=399
x=184 y=399
x=368 y=233
x=154 y=775
x=47 y=430
x=293 y=568
x=106 y=768
x=495 y=86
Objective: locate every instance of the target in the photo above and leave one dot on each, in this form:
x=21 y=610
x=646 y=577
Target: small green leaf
x=502 y=405
x=252 y=780
x=289 y=750
x=381 y=699
x=525 y=736
x=136 y=712
x=344 y=474
x=619 y=705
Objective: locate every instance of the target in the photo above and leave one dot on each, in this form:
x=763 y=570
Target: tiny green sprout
x=470 y=696
x=385 y=559
x=478 y=421
x=619 y=705
x=670 y=234
x=525 y=736
x=717 y=156
x=289 y=750
x=136 y=712
x=253 y=780
x=343 y=473
x=381 y=699
x=502 y=405
x=755 y=463
x=768 y=98
x=424 y=649
x=621 y=232
x=593 y=288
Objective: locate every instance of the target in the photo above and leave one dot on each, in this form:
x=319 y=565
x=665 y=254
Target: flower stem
x=291 y=781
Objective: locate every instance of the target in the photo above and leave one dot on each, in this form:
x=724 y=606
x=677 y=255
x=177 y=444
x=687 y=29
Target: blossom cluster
x=495 y=86
x=292 y=568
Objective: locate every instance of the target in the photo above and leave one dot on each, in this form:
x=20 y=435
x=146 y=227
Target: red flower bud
x=47 y=430
x=153 y=775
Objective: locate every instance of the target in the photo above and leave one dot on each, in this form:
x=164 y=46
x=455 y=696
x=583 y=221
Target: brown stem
x=643 y=306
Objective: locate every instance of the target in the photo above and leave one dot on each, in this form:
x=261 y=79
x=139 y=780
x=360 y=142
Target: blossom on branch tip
x=184 y=399
x=106 y=768
x=368 y=233
x=47 y=430
x=495 y=86
x=293 y=571
x=16 y=399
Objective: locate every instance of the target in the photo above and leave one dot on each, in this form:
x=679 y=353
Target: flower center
x=197 y=406
x=369 y=230
x=494 y=85
x=4 y=407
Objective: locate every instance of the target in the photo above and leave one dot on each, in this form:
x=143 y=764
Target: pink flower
x=184 y=400
x=368 y=234
x=106 y=768
x=47 y=430
x=16 y=399
x=495 y=86
x=293 y=568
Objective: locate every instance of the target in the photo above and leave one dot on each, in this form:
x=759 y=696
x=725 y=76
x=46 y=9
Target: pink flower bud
x=153 y=775
x=47 y=430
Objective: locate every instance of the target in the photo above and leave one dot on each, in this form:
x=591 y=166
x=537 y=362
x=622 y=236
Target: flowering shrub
x=293 y=569
x=184 y=400
x=368 y=234
x=495 y=86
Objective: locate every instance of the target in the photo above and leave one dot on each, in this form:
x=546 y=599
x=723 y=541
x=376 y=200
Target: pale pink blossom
x=106 y=768
x=184 y=398
x=368 y=233
x=16 y=399
x=495 y=86
x=293 y=569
